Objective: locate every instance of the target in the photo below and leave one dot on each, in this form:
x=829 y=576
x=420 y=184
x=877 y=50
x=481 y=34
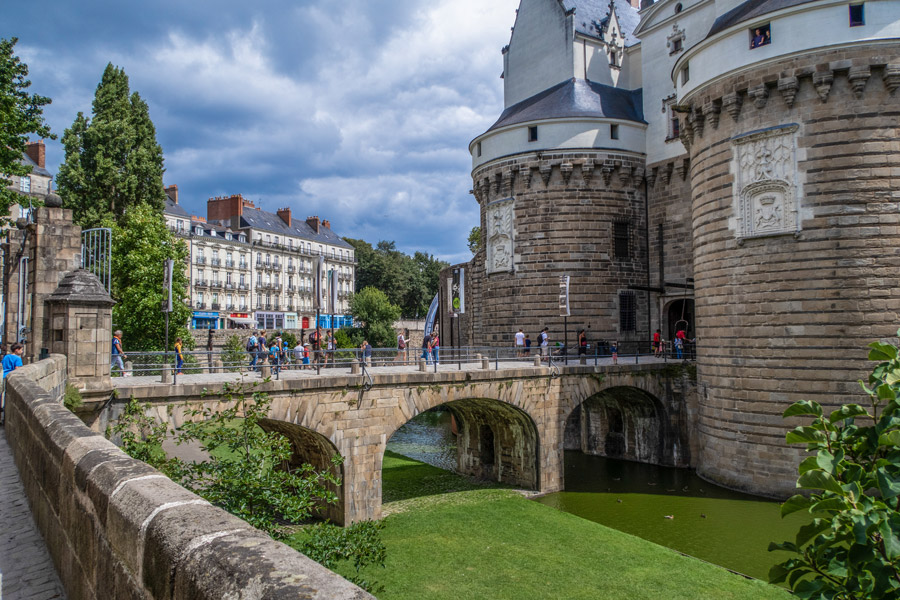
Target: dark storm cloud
x=360 y=111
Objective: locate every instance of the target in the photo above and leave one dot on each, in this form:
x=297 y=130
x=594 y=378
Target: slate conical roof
x=81 y=287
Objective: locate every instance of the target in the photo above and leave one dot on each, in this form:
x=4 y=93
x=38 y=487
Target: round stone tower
x=791 y=119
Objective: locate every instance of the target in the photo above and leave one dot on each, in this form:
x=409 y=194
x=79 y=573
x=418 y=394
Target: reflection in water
x=721 y=526
x=427 y=438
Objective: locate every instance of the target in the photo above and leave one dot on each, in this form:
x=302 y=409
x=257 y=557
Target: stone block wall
x=117 y=528
x=791 y=290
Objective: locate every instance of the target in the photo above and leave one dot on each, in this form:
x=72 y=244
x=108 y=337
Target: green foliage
x=21 y=114
x=359 y=544
x=72 y=397
x=474 y=239
x=234 y=355
x=141 y=244
x=289 y=338
x=410 y=282
x=112 y=161
x=851 y=550
x=376 y=314
x=248 y=473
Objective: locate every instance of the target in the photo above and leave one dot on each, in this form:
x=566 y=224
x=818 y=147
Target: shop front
x=204 y=320
x=241 y=321
x=269 y=320
x=291 y=321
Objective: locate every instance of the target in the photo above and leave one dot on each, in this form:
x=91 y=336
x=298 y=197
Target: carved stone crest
x=500 y=235
x=766 y=191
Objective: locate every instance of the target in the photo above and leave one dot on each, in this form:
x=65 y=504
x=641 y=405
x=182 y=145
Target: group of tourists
x=431 y=347
x=317 y=350
x=523 y=344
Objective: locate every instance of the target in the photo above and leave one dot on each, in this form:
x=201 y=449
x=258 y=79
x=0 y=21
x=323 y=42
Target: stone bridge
x=514 y=423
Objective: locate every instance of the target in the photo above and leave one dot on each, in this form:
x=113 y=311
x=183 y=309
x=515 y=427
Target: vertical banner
x=458 y=291
x=333 y=291
x=167 y=285
x=319 y=292
x=564 y=296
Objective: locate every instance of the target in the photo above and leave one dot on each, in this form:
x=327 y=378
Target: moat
x=671 y=507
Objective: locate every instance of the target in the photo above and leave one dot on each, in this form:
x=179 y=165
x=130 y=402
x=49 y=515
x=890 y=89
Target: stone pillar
x=52 y=246
x=79 y=318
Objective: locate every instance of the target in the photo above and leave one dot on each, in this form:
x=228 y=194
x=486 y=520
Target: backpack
x=251 y=343
x=540 y=338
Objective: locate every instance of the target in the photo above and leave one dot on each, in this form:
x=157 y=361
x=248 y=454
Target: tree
x=475 y=239
x=112 y=161
x=140 y=245
x=21 y=114
x=372 y=310
x=851 y=549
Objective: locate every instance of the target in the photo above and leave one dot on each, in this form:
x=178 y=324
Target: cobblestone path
x=26 y=571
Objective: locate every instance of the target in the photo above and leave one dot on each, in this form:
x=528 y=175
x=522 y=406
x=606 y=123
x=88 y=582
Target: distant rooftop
x=271 y=222
x=35 y=169
x=592 y=16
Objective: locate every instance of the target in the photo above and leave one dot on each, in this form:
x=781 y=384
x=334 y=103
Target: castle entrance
x=680 y=314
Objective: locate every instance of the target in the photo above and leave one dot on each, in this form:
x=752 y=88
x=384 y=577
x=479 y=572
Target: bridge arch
x=620 y=422
x=311 y=447
x=496 y=441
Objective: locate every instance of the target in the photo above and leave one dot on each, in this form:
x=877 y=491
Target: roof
x=750 y=10
x=592 y=17
x=270 y=222
x=175 y=209
x=35 y=169
x=575 y=98
x=81 y=287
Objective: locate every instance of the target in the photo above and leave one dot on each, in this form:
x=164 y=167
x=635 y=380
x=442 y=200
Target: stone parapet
x=117 y=528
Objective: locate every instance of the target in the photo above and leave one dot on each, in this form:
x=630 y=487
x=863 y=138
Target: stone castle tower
x=740 y=155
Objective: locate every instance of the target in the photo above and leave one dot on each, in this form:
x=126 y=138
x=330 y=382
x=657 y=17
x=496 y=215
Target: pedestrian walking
x=262 y=348
x=679 y=344
x=527 y=345
x=252 y=348
x=435 y=346
x=275 y=356
x=657 y=343
x=402 y=342
x=118 y=354
x=179 y=356
x=11 y=362
x=544 y=342
x=582 y=343
x=426 y=349
x=520 y=342
x=614 y=348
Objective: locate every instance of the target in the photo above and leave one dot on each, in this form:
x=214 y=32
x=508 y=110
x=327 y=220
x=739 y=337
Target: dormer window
x=227 y=236
x=242 y=238
x=198 y=231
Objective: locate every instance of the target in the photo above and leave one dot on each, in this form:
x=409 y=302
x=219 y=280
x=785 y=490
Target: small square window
x=532 y=134
x=25 y=184
x=676 y=46
x=613 y=132
x=760 y=35
x=857 y=15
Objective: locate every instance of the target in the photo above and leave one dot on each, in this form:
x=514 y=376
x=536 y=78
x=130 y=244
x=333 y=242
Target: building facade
x=252 y=268
x=719 y=166
x=38 y=184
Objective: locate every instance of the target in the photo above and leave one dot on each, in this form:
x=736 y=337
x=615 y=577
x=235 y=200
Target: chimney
x=326 y=224
x=172 y=193
x=35 y=151
x=313 y=222
x=285 y=215
x=227 y=207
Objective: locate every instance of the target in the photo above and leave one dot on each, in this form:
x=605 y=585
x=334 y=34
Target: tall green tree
x=21 y=114
x=141 y=244
x=474 y=240
x=113 y=161
x=372 y=311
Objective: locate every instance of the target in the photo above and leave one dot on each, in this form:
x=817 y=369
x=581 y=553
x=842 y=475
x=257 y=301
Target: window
x=627 y=311
x=198 y=231
x=25 y=184
x=478 y=149
x=276 y=240
x=612 y=59
x=857 y=16
x=227 y=236
x=532 y=133
x=613 y=132
x=760 y=35
x=676 y=46
x=686 y=73
x=621 y=239
x=674 y=129
x=678 y=8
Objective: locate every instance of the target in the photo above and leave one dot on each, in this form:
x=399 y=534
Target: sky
x=359 y=111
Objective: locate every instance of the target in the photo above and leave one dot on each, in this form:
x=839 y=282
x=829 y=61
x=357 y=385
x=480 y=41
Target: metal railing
x=371 y=360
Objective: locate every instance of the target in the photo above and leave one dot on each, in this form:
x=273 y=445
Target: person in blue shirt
x=13 y=360
x=118 y=353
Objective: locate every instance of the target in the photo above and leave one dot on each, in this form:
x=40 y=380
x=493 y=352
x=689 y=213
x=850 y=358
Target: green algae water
x=721 y=526
x=675 y=508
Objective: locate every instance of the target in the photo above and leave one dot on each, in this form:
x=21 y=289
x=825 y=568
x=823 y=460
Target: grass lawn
x=451 y=538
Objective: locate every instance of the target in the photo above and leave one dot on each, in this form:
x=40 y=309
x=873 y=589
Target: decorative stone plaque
x=766 y=192
x=500 y=235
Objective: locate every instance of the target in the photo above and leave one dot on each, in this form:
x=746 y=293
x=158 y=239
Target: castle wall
x=796 y=234
x=551 y=215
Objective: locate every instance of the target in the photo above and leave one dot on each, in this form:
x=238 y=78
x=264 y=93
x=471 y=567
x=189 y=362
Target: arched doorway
x=620 y=422
x=310 y=447
x=680 y=314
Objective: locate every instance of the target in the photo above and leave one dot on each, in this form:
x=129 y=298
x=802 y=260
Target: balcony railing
x=201 y=260
x=200 y=305
x=200 y=283
x=216 y=262
x=243 y=286
x=215 y=306
x=243 y=266
x=229 y=264
x=216 y=284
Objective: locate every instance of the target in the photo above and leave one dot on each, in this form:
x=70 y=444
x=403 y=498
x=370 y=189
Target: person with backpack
x=275 y=356
x=401 y=346
x=426 y=349
x=252 y=346
x=544 y=342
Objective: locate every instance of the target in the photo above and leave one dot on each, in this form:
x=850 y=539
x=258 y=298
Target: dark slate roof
x=576 y=98
x=175 y=209
x=592 y=16
x=750 y=10
x=81 y=287
x=26 y=160
x=270 y=222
